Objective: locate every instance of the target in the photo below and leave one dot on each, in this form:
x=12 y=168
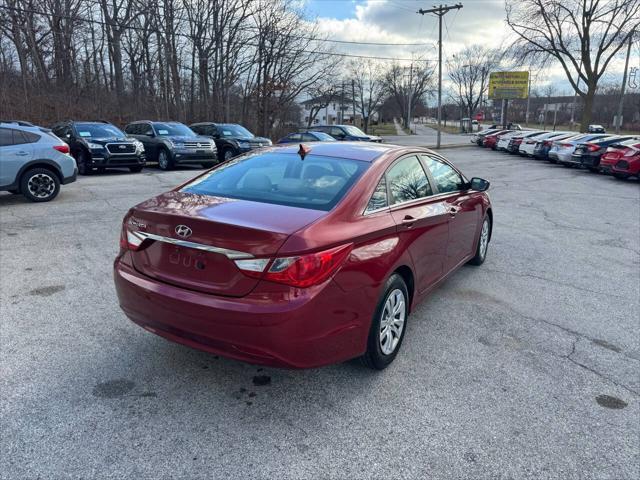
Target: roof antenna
x=303 y=150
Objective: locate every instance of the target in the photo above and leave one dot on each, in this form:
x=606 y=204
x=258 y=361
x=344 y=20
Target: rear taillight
x=62 y=148
x=592 y=147
x=547 y=143
x=566 y=145
x=298 y=271
x=129 y=240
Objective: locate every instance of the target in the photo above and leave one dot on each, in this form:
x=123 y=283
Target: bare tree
x=469 y=72
x=370 y=88
x=412 y=90
x=582 y=35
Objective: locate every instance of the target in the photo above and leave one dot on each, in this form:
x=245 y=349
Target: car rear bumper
x=276 y=326
x=590 y=161
x=71 y=178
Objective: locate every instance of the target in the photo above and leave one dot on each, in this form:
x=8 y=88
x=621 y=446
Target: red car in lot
x=628 y=165
x=490 y=141
x=301 y=258
x=615 y=152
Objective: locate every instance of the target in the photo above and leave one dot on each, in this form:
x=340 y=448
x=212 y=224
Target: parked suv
x=231 y=139
x=33 y=161
x=173 y=143
x=100 y=145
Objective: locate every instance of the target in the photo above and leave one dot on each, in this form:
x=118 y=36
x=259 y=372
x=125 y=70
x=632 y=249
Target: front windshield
x=355 y=131
x=235 y=131
x=173 y=129
x=98 y=130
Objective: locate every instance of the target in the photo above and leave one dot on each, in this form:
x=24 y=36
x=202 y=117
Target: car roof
x=365 y=151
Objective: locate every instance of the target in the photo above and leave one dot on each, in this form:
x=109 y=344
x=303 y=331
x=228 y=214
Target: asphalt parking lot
x=526 y=367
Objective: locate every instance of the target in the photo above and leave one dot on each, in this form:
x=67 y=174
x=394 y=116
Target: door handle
x=22 y=153
x=408 y=221
x=453 y=210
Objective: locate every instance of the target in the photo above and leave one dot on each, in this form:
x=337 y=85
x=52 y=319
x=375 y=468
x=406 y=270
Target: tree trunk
x=587 y=107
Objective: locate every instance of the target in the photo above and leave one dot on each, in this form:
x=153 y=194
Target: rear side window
x=446 y=178
x=407 y=181
x=6 y=137
x=317 y=182
x=379 y=198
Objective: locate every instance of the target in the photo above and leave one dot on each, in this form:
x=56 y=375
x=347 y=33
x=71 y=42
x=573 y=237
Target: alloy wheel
x=392 y=321
x=484 y=238
x=41 y=185
x=163 y=161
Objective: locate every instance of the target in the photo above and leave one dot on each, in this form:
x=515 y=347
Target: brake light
x=547 y=143
x=299 y=271
x=129 y=240
x=566 y=145
x=592 y=148
x=64 y=148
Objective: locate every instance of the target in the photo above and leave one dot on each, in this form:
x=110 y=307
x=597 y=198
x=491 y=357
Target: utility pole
x=575 y=96
x=526 y=115
x=624 y=83
x=409 y=95
x=342 y=103
x=440 y=11
x=353 y=98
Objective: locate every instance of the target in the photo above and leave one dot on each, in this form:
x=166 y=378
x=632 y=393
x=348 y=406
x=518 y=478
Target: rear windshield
x=317 y=182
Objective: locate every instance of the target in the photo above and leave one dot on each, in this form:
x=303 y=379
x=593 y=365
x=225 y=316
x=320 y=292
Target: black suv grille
x=116 y=148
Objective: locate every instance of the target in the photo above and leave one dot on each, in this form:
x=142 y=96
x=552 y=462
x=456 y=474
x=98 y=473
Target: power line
x=186 y=35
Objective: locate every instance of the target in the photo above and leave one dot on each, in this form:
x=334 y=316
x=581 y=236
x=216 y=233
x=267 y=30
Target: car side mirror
x=479 y=184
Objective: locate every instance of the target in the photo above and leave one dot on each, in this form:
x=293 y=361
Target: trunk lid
x=219 y=230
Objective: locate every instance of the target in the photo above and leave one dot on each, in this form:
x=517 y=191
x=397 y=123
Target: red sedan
x=628 y=165
x=301 y=257
x=617 y=152
x=491 y=141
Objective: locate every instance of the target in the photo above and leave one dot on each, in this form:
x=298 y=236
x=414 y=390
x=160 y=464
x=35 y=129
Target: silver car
x=562 y=150
x=33 y=161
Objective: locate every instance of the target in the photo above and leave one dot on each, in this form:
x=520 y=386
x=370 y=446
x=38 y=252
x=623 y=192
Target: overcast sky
x=396 y=21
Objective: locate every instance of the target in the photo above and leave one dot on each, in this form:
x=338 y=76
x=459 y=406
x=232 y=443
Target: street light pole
x=440 y=11
x=624 y=82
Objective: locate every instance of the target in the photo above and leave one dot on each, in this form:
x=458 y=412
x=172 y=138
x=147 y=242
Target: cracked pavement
x=526 y=367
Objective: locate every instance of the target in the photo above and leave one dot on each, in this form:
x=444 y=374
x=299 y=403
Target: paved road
x=427 y=137
x=508 y=370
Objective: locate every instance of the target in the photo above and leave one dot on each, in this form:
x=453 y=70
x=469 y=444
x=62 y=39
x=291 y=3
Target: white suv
x=33 y=161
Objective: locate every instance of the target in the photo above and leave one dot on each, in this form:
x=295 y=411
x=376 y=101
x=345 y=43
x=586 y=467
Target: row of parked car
x=618 y=155
x=35 y=161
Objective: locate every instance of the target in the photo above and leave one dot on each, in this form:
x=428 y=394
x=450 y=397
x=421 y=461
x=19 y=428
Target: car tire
x=165 y=162
x=39 y=185
x=621 y=176
x=388 y=326
x=81 y=161
x=228 y=154
x=137 y=169
x=483 y=242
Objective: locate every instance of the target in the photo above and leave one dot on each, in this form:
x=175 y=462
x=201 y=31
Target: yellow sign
x=508 y=85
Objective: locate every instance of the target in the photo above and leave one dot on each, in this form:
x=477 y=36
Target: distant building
x=327 y=111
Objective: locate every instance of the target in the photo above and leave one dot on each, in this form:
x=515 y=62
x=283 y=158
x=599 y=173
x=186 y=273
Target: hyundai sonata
x=301 y=257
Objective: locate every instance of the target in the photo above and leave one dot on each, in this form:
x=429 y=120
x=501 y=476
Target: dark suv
x=173 y=143
x=231 y=139
x=346 y=132
x=100 y=145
